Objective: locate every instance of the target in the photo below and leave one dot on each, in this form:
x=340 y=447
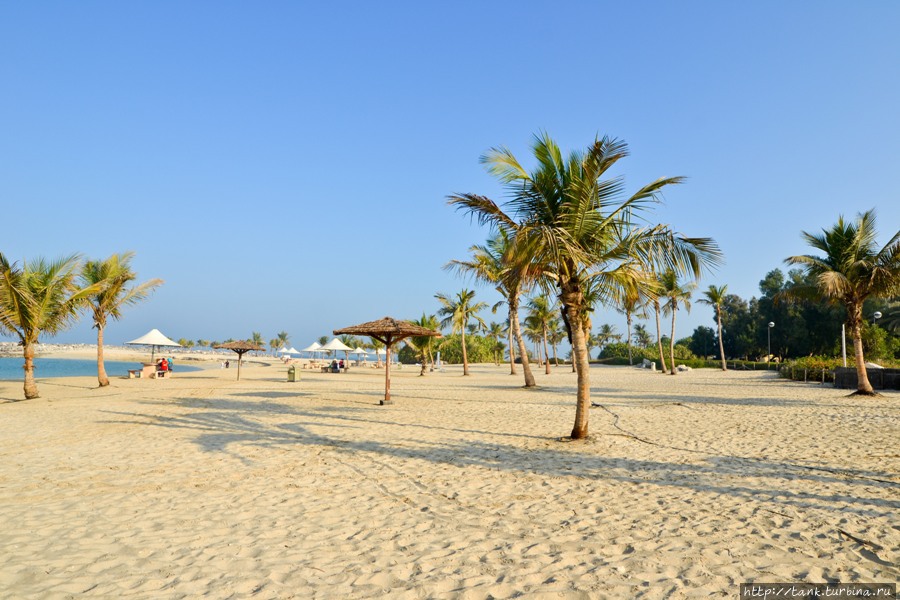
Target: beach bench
x=162 y=374
x=134 y=373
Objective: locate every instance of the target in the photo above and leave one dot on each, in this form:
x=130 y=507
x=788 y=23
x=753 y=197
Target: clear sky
x=285 y=165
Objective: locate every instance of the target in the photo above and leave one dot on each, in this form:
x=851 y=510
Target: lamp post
x=769 y=331
x=875 y=316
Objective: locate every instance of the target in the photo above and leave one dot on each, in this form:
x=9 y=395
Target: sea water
x=12 y=368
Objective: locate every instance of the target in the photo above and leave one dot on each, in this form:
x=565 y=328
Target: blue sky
x=284 y=165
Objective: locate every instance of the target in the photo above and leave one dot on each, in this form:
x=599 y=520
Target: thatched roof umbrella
x=388 y=331
x=240 y=348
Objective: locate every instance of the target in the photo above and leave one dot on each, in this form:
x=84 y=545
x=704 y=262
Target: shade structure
x=388 y=331
x=240 y=348
x=153 y=338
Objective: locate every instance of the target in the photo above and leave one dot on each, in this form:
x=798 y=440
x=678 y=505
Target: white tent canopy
x=283 y=350
x=153 y=338
x=336 y=344
x=292 y=351
x=312 y=347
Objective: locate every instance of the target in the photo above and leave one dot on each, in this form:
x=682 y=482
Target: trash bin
x=292 y=373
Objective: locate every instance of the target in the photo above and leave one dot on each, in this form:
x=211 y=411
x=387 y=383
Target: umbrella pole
x=387 y=377
x=240 y=356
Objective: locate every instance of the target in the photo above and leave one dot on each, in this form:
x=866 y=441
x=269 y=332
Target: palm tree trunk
x=863 y=387
x=662 y=358
x=517 y=331
x=512 y=352
x=101 y=368
x=572 y=300
x=546 y=354
x=721 y=345
x=672 y=342
x=628 y=340
x=462 y=337
x=31 y=390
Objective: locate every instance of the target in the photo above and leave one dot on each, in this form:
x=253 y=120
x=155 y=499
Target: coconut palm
x=283 y=339
x=495 y=331
x=852 y=269
x=715 y=297
x=39 y=298
x=112 y=277
x=575 y=224
x=606 y=334
x=642 y=337
x=496 y=263
x=632 y=305
x=541 y=312
x=555 y=336
x=274 y=344
x=457 y=312
x=257 y=338
x=657 y=309
x=426 y=344
x=676 y=294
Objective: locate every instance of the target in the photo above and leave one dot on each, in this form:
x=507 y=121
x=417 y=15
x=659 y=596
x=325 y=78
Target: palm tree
x=657 y=308
x=495 y=331
x=274 y=344
x=112 y=278
x=676 y=294
x=631 y=305
x=425 y=344
x=715 y=297
x=457 y=312
x=38 y=298
x=541 y=312
x=497 y=263
x=555 y=336
x=203 y=343
x=283 y=339
x=573 y=223
x=606 y=334
x=852 y=270
x=642 y=338
x=257 y=338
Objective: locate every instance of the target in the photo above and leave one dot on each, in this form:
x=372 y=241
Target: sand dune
x=205 y=486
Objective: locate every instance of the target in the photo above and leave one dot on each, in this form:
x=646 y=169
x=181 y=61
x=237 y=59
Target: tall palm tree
x=555 y=336
x=495 y=331
x=426 y=344
x=257 y=338
x=642 y=338
x=541 y=311
x=606 y=334
x=498 y=264
x=676 y=293
x=568 y=219
x=852 y=269
x=283 y=339
x=457 y=312
x=113 y=277
x=715 y=297
x=274 y=345
x=632 y=305
x=657 y=308
x=40 y=297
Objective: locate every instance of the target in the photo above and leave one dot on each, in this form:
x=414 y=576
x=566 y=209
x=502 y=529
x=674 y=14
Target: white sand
x=205 y=486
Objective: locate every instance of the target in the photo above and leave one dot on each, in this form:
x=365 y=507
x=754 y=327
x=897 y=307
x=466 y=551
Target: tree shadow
x=230 y=426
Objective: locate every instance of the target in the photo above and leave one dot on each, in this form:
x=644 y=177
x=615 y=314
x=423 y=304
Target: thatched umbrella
x=240 y=348
x=388 y=331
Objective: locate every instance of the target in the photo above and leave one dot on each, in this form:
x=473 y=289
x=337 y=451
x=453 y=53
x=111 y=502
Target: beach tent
x=153 y=338
x=388 y=331
x=314 y=347
x=292 y=351
x=283 y=350
x=335 y=345
x=360 y=351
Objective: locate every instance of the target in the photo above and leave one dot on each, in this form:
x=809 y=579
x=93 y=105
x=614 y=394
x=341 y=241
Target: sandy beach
x=204 y=486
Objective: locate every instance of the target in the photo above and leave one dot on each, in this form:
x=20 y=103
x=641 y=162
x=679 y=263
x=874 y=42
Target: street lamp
x=875 y=316
x=769 y=331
